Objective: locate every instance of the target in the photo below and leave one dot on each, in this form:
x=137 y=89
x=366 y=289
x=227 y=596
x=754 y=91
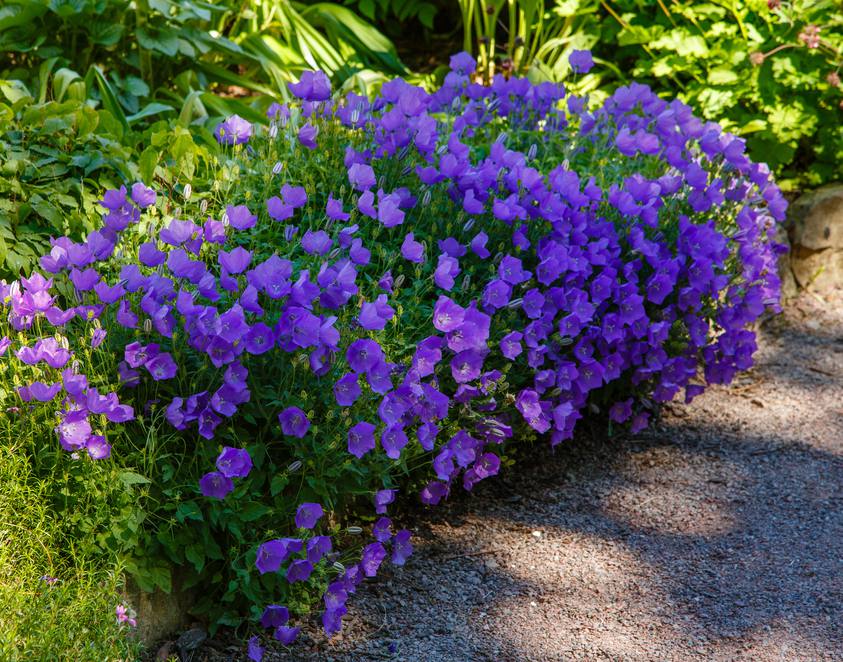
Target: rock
x=189 y=641
x=160 y=614
x=164 y=652
x=815 y=229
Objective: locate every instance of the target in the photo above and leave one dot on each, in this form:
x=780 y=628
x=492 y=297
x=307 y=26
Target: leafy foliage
x=768 y=71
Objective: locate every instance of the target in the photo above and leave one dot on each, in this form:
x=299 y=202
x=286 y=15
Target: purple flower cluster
x=489 y=262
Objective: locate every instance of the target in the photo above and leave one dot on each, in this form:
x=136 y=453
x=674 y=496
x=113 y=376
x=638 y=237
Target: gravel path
x=715 y=536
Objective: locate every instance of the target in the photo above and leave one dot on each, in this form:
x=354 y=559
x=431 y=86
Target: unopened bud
x=188 y=190
x=426 y=198
x=294 y=467
x=339 y=567
x=756 y=58
x=399 y=281
x=276 y=169
x=203 y=206
x=354 y=530
x=147 y=325
x=273 y=130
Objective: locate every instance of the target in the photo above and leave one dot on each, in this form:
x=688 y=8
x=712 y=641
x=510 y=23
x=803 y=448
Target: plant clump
x=373 y=297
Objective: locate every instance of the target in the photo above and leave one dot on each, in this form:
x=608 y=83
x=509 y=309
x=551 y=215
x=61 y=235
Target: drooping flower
x=363 y=355
x=294 y=422
x=234 y=462
x=299 y=570
x=161 y=366
x=233 y=131
x=275 y=615
x=402 y=548
x=307 y=135
x=581 y=61
x=254 y=649
x=272 y=554
x=98 y=447
x=215 y=485
x=412 y=250
x=361 y=439
x=347 y=390
x=371 y=559
x=312 y=86
x=382 y=499
x=308 y=514
x=317 y=548
x=142 y=195
x=240 y=218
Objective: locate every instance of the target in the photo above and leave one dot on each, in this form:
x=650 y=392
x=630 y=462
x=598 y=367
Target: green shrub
x=446 y=274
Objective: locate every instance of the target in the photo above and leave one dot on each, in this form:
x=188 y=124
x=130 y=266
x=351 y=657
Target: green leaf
x=188 y=510
x=109 y=99
x=147 y=162
x=14 y=90
x=160 y=41
x=682 y=42
x=195 y=555
x=62 y=80
x=252 y=511
x=129 y=478
x=722 y=76
x=150 y=110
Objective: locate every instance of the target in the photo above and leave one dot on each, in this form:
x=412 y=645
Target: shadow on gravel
x=740 y=535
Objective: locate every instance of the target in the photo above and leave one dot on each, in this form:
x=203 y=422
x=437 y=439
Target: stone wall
x=815 y=232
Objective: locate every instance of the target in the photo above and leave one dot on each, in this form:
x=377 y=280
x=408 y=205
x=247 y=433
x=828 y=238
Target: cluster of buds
x=810 y=36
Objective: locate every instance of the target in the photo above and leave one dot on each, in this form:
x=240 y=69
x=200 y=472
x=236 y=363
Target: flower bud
x=354 y=530
x=294 y=467
x=188 y=190
x=399 y=281
x=276 y=169
x=426 y=198
x=273 y=130
x=468 y=224
x=756 y=58
x=531 y=153
x=339 y=567
x=147 y=325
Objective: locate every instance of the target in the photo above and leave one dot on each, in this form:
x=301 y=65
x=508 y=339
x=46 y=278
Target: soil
x=715 y=535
